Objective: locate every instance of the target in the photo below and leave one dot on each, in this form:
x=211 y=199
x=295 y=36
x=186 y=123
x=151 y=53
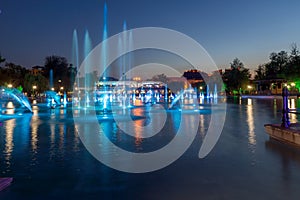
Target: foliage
x=260 y=72
x=41 y=83
x=237 y=78
x=160 y=77
x=20 y=88
x=282 y=65
x=12 y=74
x=61 y=71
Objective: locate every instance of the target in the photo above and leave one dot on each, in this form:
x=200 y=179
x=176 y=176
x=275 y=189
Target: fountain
x=87 y=67
x=51 y=78
x=53 y=99
x=207 y=91
x=13 y=98
x=215 y=92
x=106 y=95
x=75 y=61
x=65 y=99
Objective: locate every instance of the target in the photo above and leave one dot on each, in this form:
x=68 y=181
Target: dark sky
x=30 y=30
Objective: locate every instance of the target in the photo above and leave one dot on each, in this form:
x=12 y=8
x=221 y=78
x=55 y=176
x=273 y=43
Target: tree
x=12 y=74
x=236 y=64
x=260 y=73
x=237 y=77
x=39 y=80
x=61 y=71
x=160 y=77
x=277 y=66
x=294 y=56
x=293 y=66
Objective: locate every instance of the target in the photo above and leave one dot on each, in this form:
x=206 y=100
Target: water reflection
x=287 y=154
x=251 y=126
x=138 y=128
x=201 y=126
x=34 y=133
x=275 y=107
x=62 y=130
x=76 y=139
x=9 y=144
x=52 y=141
x=10 y=108
x=292 y=106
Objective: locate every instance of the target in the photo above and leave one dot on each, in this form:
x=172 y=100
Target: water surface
x=47 y=160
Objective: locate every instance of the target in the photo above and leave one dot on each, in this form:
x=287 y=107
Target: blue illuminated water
x=51 y=78
x=104 y=45
x=14 y=97
x=47 y=160
x=75 y=55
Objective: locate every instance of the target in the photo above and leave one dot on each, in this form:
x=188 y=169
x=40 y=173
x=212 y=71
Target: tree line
x=281 y=65
x=23 y=78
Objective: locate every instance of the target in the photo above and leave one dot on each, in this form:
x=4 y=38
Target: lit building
x=37 y=70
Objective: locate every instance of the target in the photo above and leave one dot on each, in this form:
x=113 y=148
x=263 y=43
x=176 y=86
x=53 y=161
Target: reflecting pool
x=45 y=156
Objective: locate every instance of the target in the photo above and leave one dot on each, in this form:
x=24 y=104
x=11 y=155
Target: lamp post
x=33 y=89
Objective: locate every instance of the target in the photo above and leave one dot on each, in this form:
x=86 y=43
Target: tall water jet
x=215 y=91
x=120 y=61
x=104 y=46
x=207 y=91
x=130 y=55
x=51 y=78
x=75 y=54
x=87 y=68
x=124 y=47
x=65 y=99
x=75 y=61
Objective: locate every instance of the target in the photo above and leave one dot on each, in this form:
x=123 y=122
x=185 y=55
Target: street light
x=52 y=89
x=9 y=85
x=34 y=88
x=61 y=88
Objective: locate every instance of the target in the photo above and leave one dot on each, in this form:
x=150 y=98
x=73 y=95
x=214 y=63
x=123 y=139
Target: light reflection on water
x=292 y=105
x=58 y=156
x=9 y=143
x=137 y=128
x=34 y=133
x=251 y=126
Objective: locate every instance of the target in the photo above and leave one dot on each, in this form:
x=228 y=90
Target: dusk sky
x=30 y=30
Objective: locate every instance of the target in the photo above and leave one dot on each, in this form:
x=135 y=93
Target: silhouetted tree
x=160 y=77
x=12 y=74
x=61 y=71
x=277 y=66
x=38 y=80
x=293 y=66
x=237 y=78
x=260 y=72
